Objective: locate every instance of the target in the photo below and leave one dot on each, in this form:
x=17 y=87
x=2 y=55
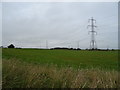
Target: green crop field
x=71 y=58
x=35 y=68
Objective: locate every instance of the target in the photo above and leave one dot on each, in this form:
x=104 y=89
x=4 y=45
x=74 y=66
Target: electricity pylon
x=46 y=44
x=93 y=44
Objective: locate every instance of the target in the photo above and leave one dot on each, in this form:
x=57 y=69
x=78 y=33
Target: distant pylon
x=46 y=44
x=93 y=44
x=78 y=45
x=40 y=44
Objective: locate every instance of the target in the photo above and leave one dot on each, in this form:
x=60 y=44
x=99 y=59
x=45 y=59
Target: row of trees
x=13 y=46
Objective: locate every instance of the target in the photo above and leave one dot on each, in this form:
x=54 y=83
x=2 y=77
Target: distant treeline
x=65 y=48
x=61 y=48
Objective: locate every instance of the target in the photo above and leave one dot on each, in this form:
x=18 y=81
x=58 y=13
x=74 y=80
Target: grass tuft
x=17 y=74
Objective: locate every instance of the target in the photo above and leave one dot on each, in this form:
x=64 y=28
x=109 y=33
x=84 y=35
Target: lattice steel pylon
x=93 y=44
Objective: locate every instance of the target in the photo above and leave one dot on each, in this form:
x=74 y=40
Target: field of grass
x=32 y=68
x=0 y=68
x=17 y=74
x=63 y=58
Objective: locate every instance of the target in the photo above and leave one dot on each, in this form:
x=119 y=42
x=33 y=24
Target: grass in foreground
x=25 y=75
x=0 y=68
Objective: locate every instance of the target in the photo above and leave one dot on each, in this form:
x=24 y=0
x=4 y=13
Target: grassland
x=32 y=68
x=63 y=58
x=0 y=68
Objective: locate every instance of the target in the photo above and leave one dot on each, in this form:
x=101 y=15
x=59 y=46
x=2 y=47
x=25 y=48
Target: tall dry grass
x=17 y=74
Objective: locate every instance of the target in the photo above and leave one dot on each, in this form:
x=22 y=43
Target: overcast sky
x=60 y=23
